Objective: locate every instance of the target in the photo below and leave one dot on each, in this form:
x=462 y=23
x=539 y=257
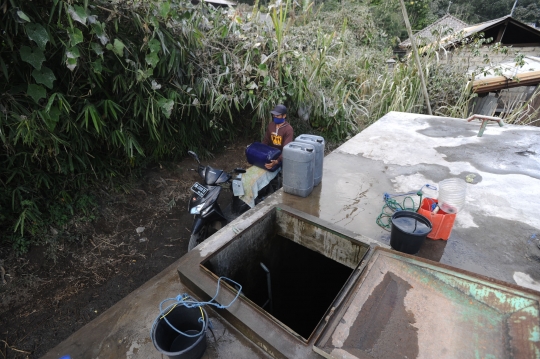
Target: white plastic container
x=298 y=165
x=452 y=193
x=319 y=144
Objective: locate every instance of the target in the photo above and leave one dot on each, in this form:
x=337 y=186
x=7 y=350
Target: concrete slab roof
x=402 y=152
x=494 y=235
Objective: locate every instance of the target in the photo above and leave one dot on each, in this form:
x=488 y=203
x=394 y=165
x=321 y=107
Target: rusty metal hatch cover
x=405 y=307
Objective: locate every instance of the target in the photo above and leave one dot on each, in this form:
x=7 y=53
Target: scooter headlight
x=197 y=209
x=205 y=210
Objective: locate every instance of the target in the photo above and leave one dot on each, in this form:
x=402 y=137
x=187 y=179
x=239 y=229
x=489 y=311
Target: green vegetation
x=90 y=92
x=93 y=90
x=390 y=17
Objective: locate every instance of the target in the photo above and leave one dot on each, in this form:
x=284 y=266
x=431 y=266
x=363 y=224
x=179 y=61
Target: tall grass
x=526 y=113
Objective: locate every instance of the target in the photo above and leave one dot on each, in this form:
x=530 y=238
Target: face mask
x=278 y=120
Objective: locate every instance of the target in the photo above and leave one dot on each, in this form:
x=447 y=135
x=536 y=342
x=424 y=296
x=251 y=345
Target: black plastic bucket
x=409 y=230
x=187 y=320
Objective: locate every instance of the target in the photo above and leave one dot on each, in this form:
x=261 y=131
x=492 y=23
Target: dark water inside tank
x=304 y=283
x=411 y=225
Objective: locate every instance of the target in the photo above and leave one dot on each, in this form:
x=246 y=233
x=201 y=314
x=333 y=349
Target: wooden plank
x=500 y=82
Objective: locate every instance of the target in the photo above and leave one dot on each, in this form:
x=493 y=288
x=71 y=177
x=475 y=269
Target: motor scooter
x=203 y=203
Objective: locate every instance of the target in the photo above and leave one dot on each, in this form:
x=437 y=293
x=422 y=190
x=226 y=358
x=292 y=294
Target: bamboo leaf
x=4 y=69
x=90 y=113
x=37 y=92
x=51 y=117
x=34 y=56
x=44 y=76
x=37 y=33
x=111 y=109
x=118 y=138
x=20 y=223
x=23 y=16
x=133 y=143
x=50 y=102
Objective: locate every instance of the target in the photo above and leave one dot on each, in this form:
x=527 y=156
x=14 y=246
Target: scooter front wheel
x=206 y=231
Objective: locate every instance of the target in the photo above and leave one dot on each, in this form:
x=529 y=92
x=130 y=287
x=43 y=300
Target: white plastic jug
x=452 y=193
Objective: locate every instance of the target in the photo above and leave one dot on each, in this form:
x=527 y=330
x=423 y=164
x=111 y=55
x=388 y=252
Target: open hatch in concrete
x=291 y=269
x=294 y=269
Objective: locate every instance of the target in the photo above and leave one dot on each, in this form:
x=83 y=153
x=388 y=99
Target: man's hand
x=271 y=164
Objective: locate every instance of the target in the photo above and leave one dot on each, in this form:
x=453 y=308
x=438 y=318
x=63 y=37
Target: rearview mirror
x=194 y=155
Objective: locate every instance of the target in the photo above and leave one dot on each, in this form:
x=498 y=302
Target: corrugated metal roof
x=473 y=29
x=426 y=35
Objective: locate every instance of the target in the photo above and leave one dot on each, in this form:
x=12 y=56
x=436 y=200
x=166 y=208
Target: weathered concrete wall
x=240 y=259
x=331 y=245
x=469 y=61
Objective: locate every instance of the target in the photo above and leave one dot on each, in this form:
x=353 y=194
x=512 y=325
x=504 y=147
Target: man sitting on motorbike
x=278 y=133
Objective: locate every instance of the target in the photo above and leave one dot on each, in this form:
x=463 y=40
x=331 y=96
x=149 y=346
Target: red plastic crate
x=442 y=222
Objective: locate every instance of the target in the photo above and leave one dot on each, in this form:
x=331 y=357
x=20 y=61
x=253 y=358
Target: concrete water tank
x=319 y=144
x=298 y=166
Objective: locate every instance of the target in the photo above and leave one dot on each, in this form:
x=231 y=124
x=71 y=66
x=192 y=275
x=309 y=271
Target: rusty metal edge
x=533 y=294
x=460 y=273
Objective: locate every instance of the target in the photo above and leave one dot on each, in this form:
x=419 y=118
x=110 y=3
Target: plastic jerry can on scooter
x=298 y=168
x=259 y=154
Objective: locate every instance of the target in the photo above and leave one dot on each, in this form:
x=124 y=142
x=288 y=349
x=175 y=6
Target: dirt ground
x=44 y=302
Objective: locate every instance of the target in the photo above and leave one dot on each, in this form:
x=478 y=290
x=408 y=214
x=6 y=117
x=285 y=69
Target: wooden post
x=417 y=58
